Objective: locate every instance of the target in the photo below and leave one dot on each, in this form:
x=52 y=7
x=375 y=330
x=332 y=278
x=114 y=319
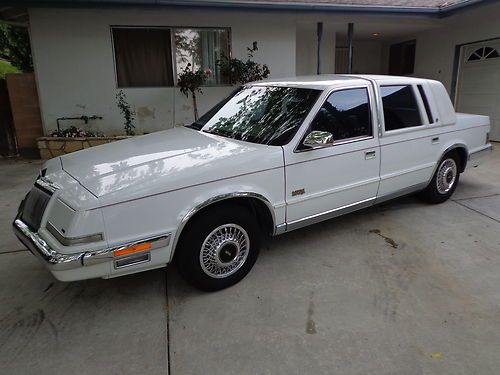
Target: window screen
x=345 y=114
x=143 y=57
x=400 y=107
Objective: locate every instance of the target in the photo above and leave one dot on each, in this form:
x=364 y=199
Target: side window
x=345 y=114
x=400 y=107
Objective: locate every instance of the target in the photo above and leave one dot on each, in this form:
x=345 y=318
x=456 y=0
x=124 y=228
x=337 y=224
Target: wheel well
x=462 y=156
x=256 y=206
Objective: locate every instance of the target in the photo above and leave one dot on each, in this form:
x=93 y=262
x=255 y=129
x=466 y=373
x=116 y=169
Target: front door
x=330 y=179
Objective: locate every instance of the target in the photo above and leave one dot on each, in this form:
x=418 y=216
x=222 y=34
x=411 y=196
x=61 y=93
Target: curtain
x=143 y=57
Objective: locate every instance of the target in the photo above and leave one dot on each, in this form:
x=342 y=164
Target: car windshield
x=259 y=114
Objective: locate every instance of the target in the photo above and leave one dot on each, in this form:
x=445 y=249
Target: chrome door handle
x=370 y=155
x=435 y=140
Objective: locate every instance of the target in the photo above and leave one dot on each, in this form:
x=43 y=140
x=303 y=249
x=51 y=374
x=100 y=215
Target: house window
x=400 y=107
x=154 y=56
x=143 y=57
x=202 y=48
x=483 y=53
x=402 y=58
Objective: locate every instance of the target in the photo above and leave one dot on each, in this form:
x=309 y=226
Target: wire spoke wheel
x=224 y=251
x=446 y=176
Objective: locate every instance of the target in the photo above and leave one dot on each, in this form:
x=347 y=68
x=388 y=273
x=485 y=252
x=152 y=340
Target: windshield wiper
x=195 y=125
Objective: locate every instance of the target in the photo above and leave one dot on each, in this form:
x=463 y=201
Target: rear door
x=409 y=150
x=325 y=181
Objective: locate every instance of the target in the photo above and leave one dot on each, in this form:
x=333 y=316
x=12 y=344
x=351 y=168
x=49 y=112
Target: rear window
x=400 y=107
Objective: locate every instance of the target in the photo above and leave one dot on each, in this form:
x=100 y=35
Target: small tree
x=190 y=81
x=241 y=72
x=15 y=47
x=127 y=113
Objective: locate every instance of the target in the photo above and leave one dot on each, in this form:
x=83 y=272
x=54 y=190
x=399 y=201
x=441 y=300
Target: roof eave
x=270 y=5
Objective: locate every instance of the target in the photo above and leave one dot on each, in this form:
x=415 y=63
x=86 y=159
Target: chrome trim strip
x=330 y=214
x=39 y=247
x=215 y=199
x=401 y=192
x=280 y=229
x=105 y=255
x=71 y=241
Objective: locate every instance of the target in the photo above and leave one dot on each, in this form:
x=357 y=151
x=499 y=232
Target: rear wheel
x=444 y=181
x=219 y=247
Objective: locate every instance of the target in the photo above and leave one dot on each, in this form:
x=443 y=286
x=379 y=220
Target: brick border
x=51 y=147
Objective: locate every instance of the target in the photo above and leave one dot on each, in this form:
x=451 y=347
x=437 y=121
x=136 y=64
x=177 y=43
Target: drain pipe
x=350 y=33
x=319 y=33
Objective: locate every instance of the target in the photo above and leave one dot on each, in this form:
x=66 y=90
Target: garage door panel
x=478 y=89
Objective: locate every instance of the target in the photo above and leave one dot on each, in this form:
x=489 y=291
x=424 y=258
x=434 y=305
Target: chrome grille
x=33 y=207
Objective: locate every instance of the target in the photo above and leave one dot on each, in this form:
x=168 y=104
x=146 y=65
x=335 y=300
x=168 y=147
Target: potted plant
x=190 y=81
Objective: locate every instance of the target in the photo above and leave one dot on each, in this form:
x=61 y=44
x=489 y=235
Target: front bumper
x=57 y=261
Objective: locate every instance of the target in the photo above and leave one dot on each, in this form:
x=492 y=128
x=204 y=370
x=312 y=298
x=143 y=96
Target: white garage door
x=478 y=88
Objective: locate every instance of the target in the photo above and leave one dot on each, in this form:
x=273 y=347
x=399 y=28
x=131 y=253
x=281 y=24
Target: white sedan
x=272 y=157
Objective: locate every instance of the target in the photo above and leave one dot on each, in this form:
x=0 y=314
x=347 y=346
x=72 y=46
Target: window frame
x=421 y=110
x=173 y=51
x=321 y=101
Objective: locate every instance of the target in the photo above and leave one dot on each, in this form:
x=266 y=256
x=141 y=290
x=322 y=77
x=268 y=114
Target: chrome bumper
x=40 y=248
x=58 y=262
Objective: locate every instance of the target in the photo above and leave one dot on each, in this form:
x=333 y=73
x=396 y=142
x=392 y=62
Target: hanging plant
x=190 y=81
x=241 y=72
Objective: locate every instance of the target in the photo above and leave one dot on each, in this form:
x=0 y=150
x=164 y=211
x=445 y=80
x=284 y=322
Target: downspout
x=350 y=32
x=319 y=33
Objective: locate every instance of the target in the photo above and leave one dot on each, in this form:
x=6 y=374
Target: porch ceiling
x=14 y=15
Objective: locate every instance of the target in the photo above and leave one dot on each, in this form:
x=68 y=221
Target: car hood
x=164 y=161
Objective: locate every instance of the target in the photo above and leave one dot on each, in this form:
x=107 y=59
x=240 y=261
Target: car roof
x=324 y=81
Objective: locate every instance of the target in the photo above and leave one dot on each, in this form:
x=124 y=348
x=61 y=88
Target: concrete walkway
x=402 y=288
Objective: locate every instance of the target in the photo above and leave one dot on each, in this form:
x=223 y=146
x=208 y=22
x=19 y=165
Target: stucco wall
x=306 y=48
x=435 y=49
x=74 y=62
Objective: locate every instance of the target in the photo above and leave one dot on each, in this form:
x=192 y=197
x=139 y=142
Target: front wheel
x=219 y=247
x=444 y=181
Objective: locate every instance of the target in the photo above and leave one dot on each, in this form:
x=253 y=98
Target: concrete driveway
x=402 y=288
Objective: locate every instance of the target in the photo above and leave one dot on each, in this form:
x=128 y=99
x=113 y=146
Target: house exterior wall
x=74 y=62
x=307 y=52
x=435 y=50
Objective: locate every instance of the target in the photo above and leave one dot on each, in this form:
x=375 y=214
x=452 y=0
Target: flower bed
x=51 y=147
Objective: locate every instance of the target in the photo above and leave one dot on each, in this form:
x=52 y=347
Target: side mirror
x=318 y=138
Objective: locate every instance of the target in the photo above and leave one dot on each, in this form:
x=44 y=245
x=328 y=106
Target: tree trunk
x=195 y=107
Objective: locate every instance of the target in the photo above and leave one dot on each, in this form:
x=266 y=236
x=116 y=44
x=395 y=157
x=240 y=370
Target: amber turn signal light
x=132 y=249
